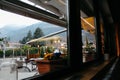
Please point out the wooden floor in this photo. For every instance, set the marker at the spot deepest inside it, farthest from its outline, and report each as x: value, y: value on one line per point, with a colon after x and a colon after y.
x: 86, y: 74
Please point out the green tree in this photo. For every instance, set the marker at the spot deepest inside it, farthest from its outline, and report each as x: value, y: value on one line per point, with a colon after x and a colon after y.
x: 23, y: 41
x: 38, y: 33
x: 27, y: 38
x: 29, y: 35
x: 1, y: 39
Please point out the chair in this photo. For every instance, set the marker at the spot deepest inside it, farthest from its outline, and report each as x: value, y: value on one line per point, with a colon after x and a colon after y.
x: 20, y: 66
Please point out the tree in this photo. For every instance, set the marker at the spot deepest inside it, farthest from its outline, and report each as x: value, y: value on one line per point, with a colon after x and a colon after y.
x: 27, y: 38
x: 29, y: 35
x: 23, y: 41
x: 38, y: 33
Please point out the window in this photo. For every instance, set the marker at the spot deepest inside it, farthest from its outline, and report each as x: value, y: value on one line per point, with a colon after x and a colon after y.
x: 88, y: 38
x: 31, y: 42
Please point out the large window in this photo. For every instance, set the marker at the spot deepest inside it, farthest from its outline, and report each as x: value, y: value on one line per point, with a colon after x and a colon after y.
x: 37, y: 47
x: 40, y: 47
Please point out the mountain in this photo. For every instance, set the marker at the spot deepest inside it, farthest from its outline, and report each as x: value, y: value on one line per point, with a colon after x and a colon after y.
x: 15, y: 34
x: 91, y: 37
x: 4, y: 31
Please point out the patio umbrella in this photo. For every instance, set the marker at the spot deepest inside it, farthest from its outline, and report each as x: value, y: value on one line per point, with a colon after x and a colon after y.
x: 47, y: 36
x: 88, y: 24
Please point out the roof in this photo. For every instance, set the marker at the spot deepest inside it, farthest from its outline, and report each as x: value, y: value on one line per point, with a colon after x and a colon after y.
x: 51, y: 36
x: 44, y: 39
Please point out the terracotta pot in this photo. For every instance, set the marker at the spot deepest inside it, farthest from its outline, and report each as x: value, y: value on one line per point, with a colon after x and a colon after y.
x: 45, y: 66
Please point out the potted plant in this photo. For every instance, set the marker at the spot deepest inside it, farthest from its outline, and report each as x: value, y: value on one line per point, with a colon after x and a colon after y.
x: 49, y: 63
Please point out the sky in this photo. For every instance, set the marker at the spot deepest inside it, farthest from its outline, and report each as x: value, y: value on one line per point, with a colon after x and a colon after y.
x: 8, y: 18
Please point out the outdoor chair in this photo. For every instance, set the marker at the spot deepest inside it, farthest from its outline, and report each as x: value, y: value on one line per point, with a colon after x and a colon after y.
x: 21, y: 67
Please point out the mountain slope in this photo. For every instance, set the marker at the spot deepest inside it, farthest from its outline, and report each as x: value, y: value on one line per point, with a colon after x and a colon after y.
x: 17, y: 34
x: 4, y: 31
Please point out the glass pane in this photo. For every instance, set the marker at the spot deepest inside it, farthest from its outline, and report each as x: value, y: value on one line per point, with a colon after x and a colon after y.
x: 37, y: 47
x: 88, y: 38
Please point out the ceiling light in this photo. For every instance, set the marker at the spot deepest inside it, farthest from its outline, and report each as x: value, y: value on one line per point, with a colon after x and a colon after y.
x: 61, y: 17
x: 62, y: 2
x: 45, y: 1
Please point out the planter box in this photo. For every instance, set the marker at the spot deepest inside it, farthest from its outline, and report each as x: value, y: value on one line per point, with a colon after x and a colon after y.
x: 45, y: 66
x: 33, y: 56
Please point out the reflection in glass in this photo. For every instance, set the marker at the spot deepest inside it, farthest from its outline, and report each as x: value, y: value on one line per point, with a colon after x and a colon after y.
x: 88, y: 39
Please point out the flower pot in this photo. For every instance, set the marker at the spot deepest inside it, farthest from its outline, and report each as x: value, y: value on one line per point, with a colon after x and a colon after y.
x: 45, y: 66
